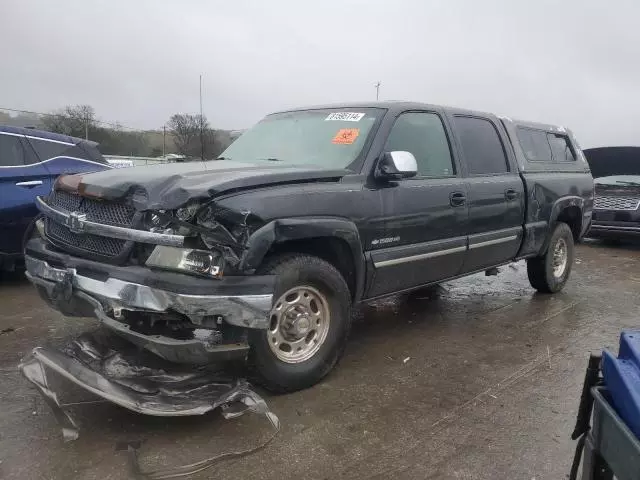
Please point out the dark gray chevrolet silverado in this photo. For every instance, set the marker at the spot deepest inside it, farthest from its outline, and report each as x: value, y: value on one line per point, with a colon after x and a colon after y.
x: 262, y: 252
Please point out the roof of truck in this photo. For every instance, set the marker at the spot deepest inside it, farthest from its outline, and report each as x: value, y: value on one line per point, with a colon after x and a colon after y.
x: 402, y: 105
x: 392, y: 105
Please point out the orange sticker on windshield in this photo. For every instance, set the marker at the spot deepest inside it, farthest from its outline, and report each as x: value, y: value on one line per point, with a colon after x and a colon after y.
x: 346, y: 136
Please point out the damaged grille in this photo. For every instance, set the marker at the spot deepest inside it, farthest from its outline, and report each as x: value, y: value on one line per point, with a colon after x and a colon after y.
x: 616, y: 203
x: 110, y: 247
x: 97, y: 211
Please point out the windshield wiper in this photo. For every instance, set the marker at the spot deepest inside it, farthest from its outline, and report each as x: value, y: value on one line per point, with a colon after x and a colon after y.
x: 223, y: 158
x: 270, y: 159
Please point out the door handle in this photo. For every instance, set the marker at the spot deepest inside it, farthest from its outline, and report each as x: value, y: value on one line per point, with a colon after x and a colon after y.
x: 30, y: 183
x: 511, y: 194
x: 457, y: 199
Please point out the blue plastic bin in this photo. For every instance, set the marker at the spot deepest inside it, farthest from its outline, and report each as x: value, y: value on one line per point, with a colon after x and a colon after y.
x: 622, y: 378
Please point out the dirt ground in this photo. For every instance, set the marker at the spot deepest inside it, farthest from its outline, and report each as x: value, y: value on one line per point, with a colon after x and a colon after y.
x: 480, y: 381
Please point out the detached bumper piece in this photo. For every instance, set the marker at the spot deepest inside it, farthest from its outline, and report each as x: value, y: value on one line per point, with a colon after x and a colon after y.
x: 115, y: 370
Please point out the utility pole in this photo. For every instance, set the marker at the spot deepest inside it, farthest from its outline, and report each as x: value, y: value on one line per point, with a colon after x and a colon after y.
x: 377, y: 85
x: 201, y: 124
x: 164, y: 140
x: 86, y: 126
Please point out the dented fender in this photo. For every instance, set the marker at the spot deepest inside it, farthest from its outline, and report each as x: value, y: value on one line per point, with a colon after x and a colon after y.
x: 558, y: 206
x: 290, y: 229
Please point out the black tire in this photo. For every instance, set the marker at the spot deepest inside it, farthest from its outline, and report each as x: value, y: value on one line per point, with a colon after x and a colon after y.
x: 541, y: 269
x: 293, y: 270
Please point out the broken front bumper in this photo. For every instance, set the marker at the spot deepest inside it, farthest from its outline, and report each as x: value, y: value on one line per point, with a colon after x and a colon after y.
x: 82, y: 287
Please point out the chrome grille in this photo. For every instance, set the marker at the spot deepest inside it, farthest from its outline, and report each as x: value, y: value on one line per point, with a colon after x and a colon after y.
x: 65, y: 200
x: 616, y: 203
x: 98, y: 211
x: 106, y: 246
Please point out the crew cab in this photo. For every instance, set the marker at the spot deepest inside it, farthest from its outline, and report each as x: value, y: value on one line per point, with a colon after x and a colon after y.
x: 30, y: 161
x: 263, y: 252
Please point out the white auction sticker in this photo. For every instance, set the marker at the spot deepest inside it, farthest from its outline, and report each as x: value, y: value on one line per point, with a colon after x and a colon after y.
x: 345, y: 116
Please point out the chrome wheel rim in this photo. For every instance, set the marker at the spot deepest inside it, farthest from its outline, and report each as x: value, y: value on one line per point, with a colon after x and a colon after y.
x: 298, y: 324
x: 560, y: 258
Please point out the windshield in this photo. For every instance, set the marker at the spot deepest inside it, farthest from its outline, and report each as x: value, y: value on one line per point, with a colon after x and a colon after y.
x: 331, y: 138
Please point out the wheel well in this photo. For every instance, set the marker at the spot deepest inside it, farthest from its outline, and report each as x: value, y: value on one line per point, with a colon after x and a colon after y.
x: 333, y: 250
x: 572, y: 216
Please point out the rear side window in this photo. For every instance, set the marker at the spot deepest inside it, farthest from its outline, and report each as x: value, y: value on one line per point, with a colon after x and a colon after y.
x: 47, y: 150
x: 534, y: 144
x: 482, y: 147
x: 561, y: 148
x: 91, y: 152
x: 423, y: 134
x: 11, y: 151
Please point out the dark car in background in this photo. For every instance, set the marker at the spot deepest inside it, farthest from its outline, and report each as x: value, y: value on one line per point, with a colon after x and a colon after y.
x: 616, y: 213
x: 30, y: 161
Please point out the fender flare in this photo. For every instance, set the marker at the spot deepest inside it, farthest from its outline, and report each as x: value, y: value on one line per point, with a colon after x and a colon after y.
x: 300, y: 228
x: 558, y: 206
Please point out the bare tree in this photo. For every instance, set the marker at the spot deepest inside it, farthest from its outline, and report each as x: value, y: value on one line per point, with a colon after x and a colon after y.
x: 186, y: 130
x: 76, y: 120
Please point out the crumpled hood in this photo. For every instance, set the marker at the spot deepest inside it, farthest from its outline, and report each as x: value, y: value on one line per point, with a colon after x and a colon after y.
x: 172, y: 185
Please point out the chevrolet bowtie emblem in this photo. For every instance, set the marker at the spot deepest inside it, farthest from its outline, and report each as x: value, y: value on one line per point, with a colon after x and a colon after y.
x: 75, y: 221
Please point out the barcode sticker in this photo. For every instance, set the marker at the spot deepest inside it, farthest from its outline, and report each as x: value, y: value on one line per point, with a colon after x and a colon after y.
x: 345, y: 116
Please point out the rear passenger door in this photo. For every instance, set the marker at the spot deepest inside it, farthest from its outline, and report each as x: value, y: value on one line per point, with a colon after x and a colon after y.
x: 425, y: 216
x: 22, y: 178
x: 495, y: 193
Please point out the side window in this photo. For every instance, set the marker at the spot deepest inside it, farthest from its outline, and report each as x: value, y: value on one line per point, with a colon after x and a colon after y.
x: 561, y: 148
x: 11, y: 152
x: 423, y: 134
x: 482, y: 147
x: 534, y: 144
x: 47, y: 150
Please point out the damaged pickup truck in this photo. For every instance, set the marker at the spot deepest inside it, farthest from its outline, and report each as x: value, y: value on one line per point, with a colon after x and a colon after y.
x: 261, y: 253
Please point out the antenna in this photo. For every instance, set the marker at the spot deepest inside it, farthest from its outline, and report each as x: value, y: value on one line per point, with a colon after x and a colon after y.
x: 201, y: 124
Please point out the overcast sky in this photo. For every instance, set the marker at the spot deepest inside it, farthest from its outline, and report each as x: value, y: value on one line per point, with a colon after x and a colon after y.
x: 575, y: 63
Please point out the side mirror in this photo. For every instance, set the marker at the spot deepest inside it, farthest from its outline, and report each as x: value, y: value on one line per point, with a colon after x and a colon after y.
x: 396, y: 165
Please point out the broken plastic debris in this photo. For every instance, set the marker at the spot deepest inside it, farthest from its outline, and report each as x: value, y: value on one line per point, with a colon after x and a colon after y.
x: 116, y: 370
x: 406, y: 359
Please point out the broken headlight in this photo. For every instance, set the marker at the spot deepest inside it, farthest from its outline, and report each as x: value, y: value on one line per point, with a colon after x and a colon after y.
x: 201, y: 262
x: 187, y: 213
x: 157, y: 219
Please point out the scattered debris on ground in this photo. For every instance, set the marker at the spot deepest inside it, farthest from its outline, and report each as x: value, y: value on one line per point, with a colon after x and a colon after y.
x: 108, y: 366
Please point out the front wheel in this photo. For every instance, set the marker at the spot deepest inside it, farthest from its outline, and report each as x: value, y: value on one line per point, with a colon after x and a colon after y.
x: 549, y: 273
x: 308, y: 324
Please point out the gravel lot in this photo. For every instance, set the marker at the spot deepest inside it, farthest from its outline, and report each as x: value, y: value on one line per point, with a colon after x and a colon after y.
x: 490, y: 388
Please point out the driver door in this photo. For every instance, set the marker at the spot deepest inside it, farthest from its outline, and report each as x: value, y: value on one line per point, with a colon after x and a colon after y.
x: 425, y: 216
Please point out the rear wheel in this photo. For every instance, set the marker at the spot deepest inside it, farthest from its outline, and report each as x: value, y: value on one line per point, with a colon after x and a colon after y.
x: 549, y: 273
x: 308, y: 324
